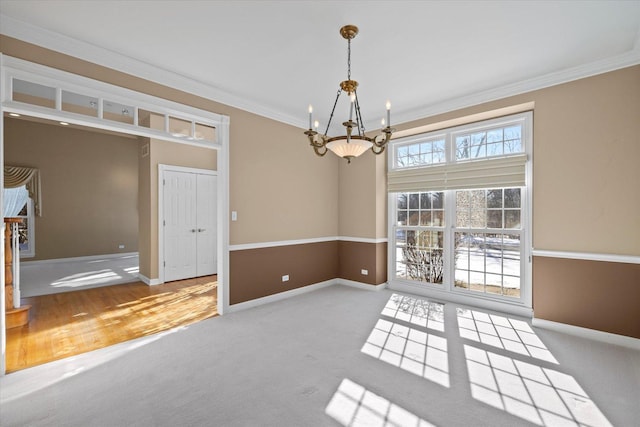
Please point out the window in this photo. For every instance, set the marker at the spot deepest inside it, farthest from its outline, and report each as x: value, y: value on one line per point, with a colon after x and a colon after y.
x: 26, y: 231
x: 419, y: 238
x: 17, y: 203
x: 487, y: 242
x: 422, y: 153
x: 459, y: 210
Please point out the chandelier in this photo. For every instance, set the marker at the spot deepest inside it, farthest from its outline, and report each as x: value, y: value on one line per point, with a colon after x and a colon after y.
x: 351, y: 144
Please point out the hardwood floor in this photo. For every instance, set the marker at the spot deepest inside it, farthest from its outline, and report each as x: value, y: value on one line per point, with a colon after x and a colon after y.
x: 65, y: 324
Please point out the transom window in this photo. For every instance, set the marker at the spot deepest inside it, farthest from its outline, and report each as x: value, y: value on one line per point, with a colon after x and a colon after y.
x: 458, y: 210
x: 489, y: 142
x: 41, y: 92
x: 421, y: 153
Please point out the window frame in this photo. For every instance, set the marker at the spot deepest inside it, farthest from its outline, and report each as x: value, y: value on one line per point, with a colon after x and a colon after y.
x: 447, y: 290
x: 30, y: 251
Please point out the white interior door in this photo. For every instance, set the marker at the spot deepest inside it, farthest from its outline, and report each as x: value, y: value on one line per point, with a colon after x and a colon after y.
x: 180, y: 226
x: 206, y: 218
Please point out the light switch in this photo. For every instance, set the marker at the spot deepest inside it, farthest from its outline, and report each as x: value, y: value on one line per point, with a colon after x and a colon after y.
x: 234, y: 216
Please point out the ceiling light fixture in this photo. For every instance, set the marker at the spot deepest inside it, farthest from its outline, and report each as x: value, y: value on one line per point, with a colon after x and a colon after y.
x: 14, y: 114
x: 349, y: 145
x: 64, y: 123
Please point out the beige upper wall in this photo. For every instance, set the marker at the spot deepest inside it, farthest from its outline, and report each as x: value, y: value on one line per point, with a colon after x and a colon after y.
x: 585, y: 174
x: 89, y: 187
x: 279, y: 187
x: 363, y: 197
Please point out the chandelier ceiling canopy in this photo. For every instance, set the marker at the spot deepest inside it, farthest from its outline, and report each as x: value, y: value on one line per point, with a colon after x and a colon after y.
x: 351, y: 144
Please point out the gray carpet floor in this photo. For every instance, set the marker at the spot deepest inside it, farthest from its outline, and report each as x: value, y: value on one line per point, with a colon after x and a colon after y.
x: 337, y: 356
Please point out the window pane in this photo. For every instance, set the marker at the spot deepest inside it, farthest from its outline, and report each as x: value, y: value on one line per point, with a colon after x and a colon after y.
x: 437, y: 218
x: 438, y: 200
x: 420, y: 153
x: 511, y: 219
x: 421, y: 259
x: 402, y: 201
x: 205, y: 132
x: 462, y: 147
x: 512, y: 198
x: 425, y: 218
x: 79, y: 104
x: 414, y: 201
x: 478, y: 145
x: 494, y: 136
x: 494, y: 198
x: 117, y: 112
x: 425, y: 200
x: 33, y: 93
x: 402, y: 218
x: 179, y: 127
x: 484, y: 260
x: 494, y: 219
x: 414, y: 217
x: 150, y: 120
x: 513, y: 139
x: 477, y: 209
x: 495, y: 149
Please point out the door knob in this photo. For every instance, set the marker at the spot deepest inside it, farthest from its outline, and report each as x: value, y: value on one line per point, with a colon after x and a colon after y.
x: 200, y: 230
x: 193, y: 230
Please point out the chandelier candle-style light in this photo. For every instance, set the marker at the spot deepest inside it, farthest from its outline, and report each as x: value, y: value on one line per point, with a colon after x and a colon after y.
x: 351, y: 144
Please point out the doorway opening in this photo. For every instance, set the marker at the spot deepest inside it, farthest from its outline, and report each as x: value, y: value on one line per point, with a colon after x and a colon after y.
x: 43, y: 93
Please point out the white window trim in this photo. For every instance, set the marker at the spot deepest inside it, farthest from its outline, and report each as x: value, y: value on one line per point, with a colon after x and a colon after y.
x: 447, y: 291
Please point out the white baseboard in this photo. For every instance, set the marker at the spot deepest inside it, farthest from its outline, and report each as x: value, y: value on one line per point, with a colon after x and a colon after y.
x: 360, y: 285
x: 280, y: 296
x: 606, y: 337
x: 77, y: 259
x: 150, y: 282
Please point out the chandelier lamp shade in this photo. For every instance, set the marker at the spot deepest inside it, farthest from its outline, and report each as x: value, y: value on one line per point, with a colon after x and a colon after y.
x: 354, y: 142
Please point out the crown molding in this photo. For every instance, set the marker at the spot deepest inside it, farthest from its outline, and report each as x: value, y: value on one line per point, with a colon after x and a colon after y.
x: 110, y: 59
x: 627, y: 59
x: 116, y: 61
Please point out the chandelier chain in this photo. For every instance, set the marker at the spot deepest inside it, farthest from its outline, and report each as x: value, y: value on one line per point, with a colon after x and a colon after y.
x: 349, y: 59
x: 359, y: 121
x: 326, y: 132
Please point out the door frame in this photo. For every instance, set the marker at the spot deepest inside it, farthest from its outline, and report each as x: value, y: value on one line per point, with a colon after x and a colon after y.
x: 162, y: 168
x: 12, y: 67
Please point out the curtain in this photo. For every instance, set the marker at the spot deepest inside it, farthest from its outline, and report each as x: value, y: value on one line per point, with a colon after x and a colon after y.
x: 14, y: 201
x: 17, y: 176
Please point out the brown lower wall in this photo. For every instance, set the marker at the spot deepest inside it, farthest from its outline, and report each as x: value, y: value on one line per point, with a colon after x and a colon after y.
x: 356, y: 256
x: 257, y: 273
x: 599, y: 295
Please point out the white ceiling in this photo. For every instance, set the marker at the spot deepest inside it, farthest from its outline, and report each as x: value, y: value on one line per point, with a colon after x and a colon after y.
x: 277, y: 57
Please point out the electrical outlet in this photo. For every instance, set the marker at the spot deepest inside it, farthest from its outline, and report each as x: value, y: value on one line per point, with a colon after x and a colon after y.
x: 285, y: 278
x: 120, y: 246
x: 364, y: 272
